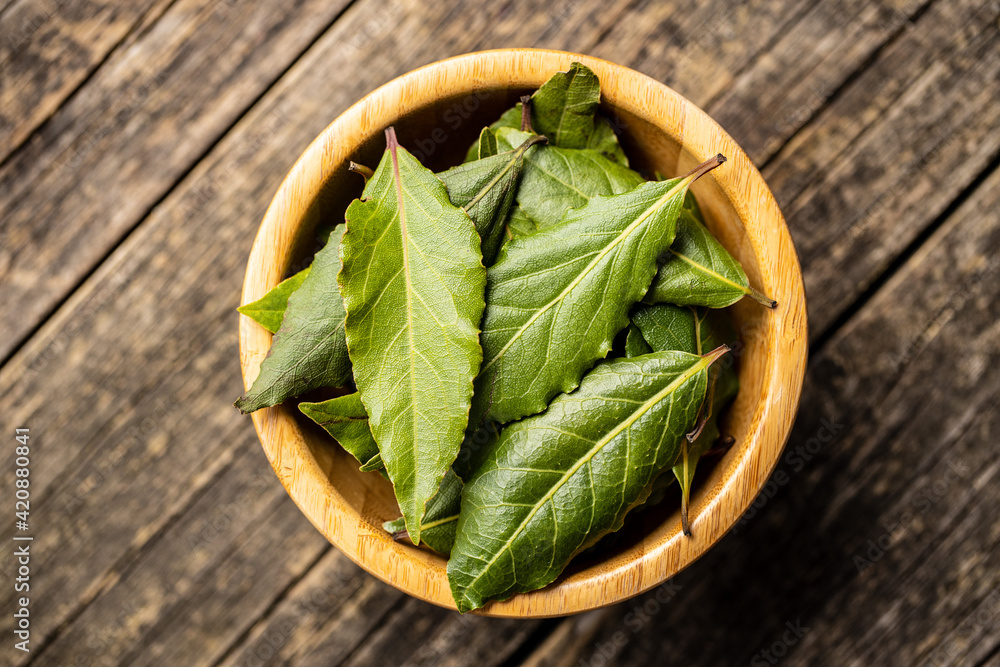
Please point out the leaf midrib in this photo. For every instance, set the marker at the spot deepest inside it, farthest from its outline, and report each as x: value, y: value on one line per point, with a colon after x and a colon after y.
x: 516, y: 155
x: 598, y: 446
x: 590, y: 267
x: 409, y: 314
x: 709, y: 271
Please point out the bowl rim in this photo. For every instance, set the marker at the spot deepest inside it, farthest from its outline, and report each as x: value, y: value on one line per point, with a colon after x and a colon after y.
x: 416, y: 571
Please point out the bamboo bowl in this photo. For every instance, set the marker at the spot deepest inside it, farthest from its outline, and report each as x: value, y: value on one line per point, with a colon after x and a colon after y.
x: 438, y: 110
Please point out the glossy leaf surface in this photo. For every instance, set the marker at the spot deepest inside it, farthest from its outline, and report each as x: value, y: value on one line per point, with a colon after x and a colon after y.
x: 485, y: 190
x: 437, y: 530
x: 558, y: 297
x: 344, y: 418
x: 565, y: 109
x: 698, y: 270
x: 558, y: 481
x: 693, y: 330
x: 556, y: 179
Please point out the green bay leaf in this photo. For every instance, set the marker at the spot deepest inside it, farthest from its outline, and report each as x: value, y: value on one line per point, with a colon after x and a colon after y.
x: 345, y: 418
x: 558, y: 481
x: 412, y: 281
x: 309, y: 351
x: 487, y: 145
x: 635, y: 344
x: 437, y: 529
x: 485, y: 188
x: 519, y: 224
x: 698, y: 270
x: 556, y: 298
x: 565, y: 109
x: 269, y: 310
x: 695, y: 330
x: 556, y: 179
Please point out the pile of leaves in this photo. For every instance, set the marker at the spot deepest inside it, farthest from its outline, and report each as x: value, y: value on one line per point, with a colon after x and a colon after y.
x: 528, y: 339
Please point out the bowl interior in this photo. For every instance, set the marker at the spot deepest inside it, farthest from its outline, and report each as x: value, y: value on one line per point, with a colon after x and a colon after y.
x: 437, y: 125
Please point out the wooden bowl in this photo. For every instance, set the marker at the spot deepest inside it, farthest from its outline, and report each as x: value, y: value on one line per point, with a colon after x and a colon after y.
x: 437, y: 111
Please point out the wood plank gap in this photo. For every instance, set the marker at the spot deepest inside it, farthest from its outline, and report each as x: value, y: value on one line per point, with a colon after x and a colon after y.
x: 122, y: 565
x: 533, y: 641
x: 156, y: 630
x: 4, y: 6
x: 902, y: 258
x: 994, y: 652
x: 846, y: 84
x: 278, y: 599
x: 379, y: 624
x: 778, y: 35
x: 84, y: 277
x: 141, y: 25
x: 961, y: 514
x: 916, y: 563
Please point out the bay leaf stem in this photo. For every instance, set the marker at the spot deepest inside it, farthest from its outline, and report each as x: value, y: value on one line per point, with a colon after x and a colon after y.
x: 526, y: 114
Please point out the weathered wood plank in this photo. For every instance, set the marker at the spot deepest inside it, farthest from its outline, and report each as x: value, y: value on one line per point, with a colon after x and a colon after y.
x: 781, y: 91
x: 697, y: 48
x: 918, y: 114
x: 127, y: 290
x: 894, y: 445
x: 217, y: 565
x: 323, y: 618
x: 167, y: 431
x: 880, y: 164
x: 419, y: 634
x: 120, y: 143
x: 47, y: 49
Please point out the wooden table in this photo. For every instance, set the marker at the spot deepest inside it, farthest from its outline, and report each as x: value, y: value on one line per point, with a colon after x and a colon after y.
x: 139, y: 145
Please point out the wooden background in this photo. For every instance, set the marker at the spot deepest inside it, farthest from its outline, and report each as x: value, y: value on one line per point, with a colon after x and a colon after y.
x: 140, y: 143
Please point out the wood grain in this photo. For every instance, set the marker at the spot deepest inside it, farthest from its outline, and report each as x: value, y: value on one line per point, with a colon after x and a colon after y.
x: 49, y: 49
x: 825, y: 84
x: 134, y: 435
x: 874, y: 186
x: 110, y: 153
x: 140, y: 284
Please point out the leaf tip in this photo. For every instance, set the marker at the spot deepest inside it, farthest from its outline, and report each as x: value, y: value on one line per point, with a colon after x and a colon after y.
x: 526, y: 113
